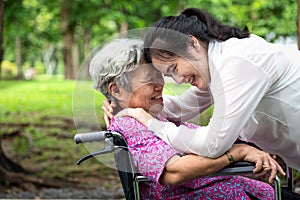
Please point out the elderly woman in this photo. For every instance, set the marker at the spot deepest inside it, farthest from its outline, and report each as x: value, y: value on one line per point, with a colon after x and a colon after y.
x: 121, y: 74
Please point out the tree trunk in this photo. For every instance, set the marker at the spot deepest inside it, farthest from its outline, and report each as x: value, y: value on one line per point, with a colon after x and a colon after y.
x: 1, y: 33
x: 7, y: 164
x: 124, y: 27
x: 75, y: 58
x: 67, y: 32
x: 19, y: 57
x: 86, y: 50
x: 298, y: 24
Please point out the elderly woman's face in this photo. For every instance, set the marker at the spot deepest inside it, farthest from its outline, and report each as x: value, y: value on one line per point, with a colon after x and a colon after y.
x: 147, y: 86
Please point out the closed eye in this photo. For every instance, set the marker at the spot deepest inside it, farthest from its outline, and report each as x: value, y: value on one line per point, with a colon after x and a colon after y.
x: 172, y: 68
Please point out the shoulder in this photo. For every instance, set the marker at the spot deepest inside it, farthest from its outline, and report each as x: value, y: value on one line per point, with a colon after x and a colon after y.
x: 236, y: 46
x: 246, y: 46
x: 130, y: 128
x: 126, y: 123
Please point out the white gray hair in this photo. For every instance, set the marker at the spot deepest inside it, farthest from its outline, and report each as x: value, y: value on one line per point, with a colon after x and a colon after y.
x: 113, y: 63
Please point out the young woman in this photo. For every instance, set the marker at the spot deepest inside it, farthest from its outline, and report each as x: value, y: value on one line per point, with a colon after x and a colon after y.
x: 254, y: 87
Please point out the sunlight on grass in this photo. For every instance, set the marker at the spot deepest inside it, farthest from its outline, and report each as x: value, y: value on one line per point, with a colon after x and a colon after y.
x: 50, y: 97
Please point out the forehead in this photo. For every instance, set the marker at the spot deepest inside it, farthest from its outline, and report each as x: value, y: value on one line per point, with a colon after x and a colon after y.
x: 164, y: 61
x: 158, y: 62
x: 145, y: 70
x: 144, y: 74
x: 163, y: 65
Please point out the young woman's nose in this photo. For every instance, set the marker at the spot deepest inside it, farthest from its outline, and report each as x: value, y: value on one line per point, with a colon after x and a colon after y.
x: 178, y: 78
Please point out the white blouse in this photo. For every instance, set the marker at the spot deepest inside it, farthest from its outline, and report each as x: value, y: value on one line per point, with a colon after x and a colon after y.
x: 255, y: 89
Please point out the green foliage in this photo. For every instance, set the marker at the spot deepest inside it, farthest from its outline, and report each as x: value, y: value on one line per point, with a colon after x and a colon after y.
x: 262, y: 17
x: 38, y: 66
x: 9, y: 69
x: 38, y: 22
x: 34, y: 23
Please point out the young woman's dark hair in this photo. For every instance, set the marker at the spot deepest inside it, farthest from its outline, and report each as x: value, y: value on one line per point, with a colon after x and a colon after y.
x: 169, y: 36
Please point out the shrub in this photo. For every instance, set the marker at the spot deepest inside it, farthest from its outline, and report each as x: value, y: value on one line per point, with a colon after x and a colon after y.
x: 9, y: 69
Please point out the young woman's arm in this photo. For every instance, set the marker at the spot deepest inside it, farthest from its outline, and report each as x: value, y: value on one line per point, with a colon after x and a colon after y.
x: 237, y: 90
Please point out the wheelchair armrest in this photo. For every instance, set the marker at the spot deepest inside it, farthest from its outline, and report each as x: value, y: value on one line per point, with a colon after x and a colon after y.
x: 141, y: 178
x: 241, y: 167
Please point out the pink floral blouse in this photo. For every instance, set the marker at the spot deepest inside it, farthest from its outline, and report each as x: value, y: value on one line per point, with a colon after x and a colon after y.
x: 150, y: 153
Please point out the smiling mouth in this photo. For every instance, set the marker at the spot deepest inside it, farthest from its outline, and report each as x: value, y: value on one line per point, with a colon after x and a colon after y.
x: 156, y: 97
x: 191, y: 80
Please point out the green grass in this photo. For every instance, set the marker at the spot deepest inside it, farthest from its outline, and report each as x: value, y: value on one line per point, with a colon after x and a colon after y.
x: 27, y: 101
x: 52, y: 97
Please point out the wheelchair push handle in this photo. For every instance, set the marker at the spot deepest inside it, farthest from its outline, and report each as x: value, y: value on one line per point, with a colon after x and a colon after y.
x: 108, y: 136
x: 89, y: 137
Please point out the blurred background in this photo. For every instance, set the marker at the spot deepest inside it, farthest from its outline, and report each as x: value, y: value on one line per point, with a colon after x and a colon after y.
x: 43, y: 45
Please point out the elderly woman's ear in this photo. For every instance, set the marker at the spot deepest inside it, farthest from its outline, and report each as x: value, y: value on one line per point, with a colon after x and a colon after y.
x: 115, y: 90
x: 120, y: 94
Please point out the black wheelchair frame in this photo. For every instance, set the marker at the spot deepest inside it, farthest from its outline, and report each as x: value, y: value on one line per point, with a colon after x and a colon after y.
x: 128, y: 175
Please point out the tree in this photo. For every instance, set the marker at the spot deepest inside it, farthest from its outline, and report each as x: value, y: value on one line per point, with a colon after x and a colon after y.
x: 1, y: 32
x: 105, y: 19
x: 67, y: 30
x: 268, y: 19
x: 31, y: 25
x: 75, y: 27
x: 15, y: 31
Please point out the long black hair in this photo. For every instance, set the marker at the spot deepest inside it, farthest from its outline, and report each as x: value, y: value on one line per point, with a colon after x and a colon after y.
x: 169, y: 36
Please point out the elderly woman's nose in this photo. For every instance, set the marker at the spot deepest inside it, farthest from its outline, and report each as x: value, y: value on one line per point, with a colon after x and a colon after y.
x: 158, y: 87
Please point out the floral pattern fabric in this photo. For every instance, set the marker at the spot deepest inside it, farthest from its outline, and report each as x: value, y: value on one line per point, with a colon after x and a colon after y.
x: 149, y: 154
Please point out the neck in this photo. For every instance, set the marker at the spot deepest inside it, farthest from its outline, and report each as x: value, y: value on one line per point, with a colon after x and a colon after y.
x: 204, y: 45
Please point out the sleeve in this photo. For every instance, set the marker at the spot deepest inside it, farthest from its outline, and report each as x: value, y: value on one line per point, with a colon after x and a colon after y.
x: 237, y: 90
x: 186, y: 106
x: 149, y: 153
x: 152, y: 157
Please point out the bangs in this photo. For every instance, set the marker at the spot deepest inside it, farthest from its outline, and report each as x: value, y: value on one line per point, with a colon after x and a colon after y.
x: 162, y: 54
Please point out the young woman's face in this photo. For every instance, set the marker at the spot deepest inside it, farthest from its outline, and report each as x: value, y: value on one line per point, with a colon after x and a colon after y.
x: 147, y: 86
x: 193, y: 71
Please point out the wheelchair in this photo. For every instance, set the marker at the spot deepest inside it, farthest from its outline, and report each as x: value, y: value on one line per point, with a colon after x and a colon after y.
x: 131, y: 179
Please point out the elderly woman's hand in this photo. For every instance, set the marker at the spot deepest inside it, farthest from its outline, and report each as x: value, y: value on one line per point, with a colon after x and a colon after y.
x: 138, y: 113
x: 264, y: 163
x: 108, y: 109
